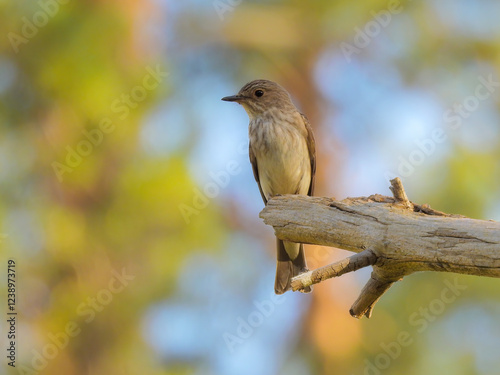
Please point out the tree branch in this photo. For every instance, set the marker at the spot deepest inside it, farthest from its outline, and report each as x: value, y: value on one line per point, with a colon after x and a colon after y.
x: 392, y: 234
x: 353, y: 263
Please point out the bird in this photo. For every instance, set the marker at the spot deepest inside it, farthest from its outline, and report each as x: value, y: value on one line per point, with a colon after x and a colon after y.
x: 282, y: 153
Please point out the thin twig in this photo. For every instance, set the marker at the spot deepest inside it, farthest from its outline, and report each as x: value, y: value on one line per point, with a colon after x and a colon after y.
x: 399, y: 193
x: 369, y: 296
x: 350, y: 264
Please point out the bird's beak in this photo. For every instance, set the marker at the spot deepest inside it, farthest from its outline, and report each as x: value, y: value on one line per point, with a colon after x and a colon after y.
x: 233, y: 98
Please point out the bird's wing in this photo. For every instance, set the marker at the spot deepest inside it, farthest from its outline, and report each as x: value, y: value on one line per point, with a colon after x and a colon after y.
x: 255, y: 168
x: 311, y: 146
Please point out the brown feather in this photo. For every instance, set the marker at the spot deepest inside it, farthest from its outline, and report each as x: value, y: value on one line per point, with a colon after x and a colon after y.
x: 286, y: 269
x: 311, y: 145
x: 255, y: 168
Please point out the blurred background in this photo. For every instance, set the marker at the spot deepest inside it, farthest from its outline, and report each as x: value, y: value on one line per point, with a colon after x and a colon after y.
x: 128, y: 201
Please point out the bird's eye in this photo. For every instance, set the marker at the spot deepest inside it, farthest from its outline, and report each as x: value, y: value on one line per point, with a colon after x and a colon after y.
x: 259, y: 93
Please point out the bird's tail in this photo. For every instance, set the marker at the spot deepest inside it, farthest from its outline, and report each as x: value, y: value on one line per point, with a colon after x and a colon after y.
x: 287, y: 268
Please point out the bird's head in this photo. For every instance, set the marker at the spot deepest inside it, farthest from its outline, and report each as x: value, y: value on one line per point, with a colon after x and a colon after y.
x: 261, y: 96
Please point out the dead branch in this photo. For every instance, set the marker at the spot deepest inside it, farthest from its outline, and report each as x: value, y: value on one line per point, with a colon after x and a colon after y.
x: 393, y: 235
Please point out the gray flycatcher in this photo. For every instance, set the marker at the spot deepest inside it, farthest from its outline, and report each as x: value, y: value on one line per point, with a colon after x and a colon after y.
x: 283, y: 157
